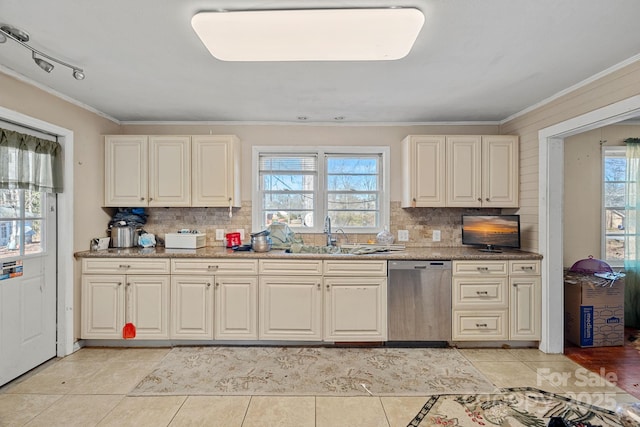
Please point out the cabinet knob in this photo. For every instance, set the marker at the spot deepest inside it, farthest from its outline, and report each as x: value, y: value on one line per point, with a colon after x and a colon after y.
x: 217, y: 285
x: 141, y: 199
x: 208, y: 285
x: 483, y: 268
x: 119, y: 283
x: 487, y: 199
x: 328, y: 287
x: 151, y: 198
x: 482, y: 292
x: 128, y: 284
x: 515, y: 285
x: 479, y: 199
x: 212, y: 267
x: 124, y: 266
x: 481, y: 325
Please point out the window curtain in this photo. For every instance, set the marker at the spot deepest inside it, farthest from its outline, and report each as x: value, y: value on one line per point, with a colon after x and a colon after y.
x: 632, y: 237
x: 29, y: 163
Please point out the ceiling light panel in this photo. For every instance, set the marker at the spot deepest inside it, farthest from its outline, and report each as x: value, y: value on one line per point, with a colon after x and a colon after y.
x: 309, y: 35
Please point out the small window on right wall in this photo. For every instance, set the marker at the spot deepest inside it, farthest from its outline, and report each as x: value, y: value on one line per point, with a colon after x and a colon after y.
x: 614, y: 175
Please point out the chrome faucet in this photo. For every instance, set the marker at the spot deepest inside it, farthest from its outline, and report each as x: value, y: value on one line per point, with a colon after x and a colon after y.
x: 327, y: 229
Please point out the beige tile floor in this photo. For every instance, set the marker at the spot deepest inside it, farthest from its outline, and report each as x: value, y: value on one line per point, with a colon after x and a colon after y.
x: 89, y: 388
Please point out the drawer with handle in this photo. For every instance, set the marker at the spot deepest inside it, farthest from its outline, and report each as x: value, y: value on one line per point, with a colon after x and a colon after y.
x: 125, y: 266
x: 481, y: 326
x: 525, y: 267
x: 216, y: 266
x: 480, y: 268
x: 492, y: 292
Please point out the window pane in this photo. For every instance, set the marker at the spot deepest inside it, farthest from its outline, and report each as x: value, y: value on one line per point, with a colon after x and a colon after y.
x: 614, y: 194
x: 33, y: 237
x: 614, y: 221
x: 9, y: 204
x: 274, y: 201
x: 9, y: 238
x: 615, y: 169
x: 352, y: 183
x: 340, y: 219
x: 352, y: 165
x: 282, y: 182
x: 614, y: 248
x: 292, y: 218
x: 353, y: 201
x: 33, y: 201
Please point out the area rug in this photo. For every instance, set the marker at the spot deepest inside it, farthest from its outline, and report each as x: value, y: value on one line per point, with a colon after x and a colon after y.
x: 313, y: 371
x: 513, y: 407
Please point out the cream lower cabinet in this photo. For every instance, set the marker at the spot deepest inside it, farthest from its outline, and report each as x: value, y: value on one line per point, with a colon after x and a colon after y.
x: 214, y: 299
x: 111, y: 298
x: 355, y: 300
x: 290, y: 300
x: 525, y: 288
x: 496, y: 300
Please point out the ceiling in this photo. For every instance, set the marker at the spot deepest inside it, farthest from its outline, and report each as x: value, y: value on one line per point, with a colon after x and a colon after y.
x: 473, y: 61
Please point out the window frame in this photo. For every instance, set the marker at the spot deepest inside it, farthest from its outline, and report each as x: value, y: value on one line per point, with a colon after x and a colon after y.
x: 321, y: 208
x: 607, y: 152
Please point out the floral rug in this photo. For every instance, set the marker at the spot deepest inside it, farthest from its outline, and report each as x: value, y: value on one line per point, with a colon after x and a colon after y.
x: 313, y: 371
x: 513, y: 407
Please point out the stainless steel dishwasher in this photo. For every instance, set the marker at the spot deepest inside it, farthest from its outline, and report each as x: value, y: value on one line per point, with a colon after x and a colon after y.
x: 419, y: 301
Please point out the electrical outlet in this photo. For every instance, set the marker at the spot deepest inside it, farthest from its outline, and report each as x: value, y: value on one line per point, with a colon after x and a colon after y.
x: 436, y: 235
x: 219, y: 234
x: 403, y: 235
x: 241, y: 231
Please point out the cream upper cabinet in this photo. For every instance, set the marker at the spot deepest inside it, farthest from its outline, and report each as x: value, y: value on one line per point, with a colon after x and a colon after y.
x: 500, y: 171
x: 216, y: 170
x: 126, y: 171
x: 147, y: 170
x: 460, y: 171
x: 169, y: 171
x: 464, y: 162
x: 423, y: 157
x: 172, y: 171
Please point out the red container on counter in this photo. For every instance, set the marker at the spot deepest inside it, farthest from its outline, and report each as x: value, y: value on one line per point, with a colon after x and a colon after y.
x: 233, y: 240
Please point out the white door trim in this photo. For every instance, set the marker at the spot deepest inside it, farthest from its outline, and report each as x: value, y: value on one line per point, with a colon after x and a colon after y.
x: 65, y: 262
x: 550, y: 210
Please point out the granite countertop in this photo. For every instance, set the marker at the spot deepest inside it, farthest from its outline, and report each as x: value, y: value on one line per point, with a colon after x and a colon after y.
x: 432, y: 253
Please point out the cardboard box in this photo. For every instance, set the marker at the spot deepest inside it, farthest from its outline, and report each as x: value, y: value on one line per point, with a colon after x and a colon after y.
x: 185, y: 240
x: 594, y: 315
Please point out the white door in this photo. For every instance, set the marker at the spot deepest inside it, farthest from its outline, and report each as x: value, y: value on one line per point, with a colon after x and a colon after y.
x: 27, y: 301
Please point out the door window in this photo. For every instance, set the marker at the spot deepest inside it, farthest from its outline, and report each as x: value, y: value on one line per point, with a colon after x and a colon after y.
x: 21, y: 223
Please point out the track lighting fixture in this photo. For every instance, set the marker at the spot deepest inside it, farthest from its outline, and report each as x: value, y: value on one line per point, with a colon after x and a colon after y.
x: 22, y: 37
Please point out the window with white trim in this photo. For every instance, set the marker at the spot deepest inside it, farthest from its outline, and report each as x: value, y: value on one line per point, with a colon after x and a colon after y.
x: 302, y: 187
x: 613, y: 204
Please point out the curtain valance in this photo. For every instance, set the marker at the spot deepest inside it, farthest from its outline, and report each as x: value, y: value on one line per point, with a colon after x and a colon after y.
x: 29, y: 163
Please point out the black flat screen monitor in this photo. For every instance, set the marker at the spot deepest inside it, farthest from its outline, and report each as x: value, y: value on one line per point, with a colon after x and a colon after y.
x: 492, y: 232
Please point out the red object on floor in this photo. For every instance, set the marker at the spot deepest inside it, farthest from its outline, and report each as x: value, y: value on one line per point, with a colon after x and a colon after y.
x: 129, y: 331
x: 623, y: 361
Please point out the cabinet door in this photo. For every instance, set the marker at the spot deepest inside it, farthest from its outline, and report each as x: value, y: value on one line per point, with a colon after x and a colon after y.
x: 236, y: 303
x: 126, y: 169
x: 464, y: 160
x: 423, y: 171
x: 355, y: 309
x: 192, y: 307
x: 147, y: 305
x: 102, y: 306
x: 169, y: 171
x: 216, y: 170
x: 500, y: 171
x: 290, y: 308
x: 525, y: 308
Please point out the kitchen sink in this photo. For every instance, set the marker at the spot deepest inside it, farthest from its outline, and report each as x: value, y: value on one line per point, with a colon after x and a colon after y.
x: 351, y: 249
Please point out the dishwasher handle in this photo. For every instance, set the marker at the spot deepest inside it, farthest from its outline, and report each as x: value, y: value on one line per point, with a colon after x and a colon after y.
x: 420, y: 265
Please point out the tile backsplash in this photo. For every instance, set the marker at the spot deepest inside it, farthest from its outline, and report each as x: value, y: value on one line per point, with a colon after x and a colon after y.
x: 420, y: 222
